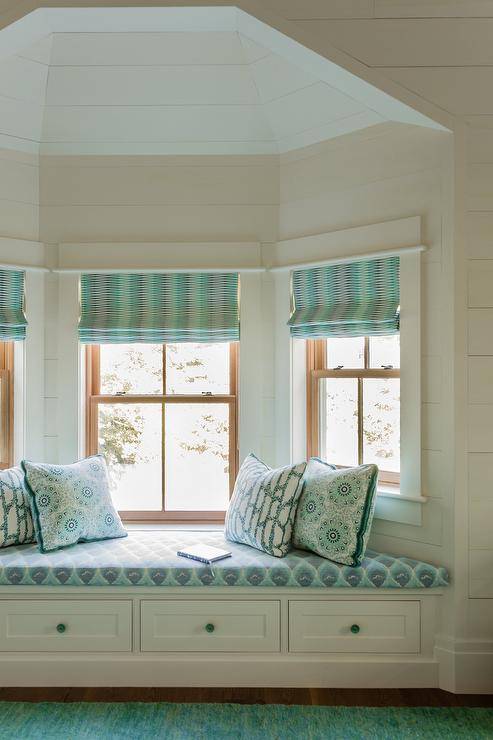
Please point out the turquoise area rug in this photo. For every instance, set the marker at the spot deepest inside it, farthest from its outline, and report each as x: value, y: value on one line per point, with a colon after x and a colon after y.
x: 101, y: 721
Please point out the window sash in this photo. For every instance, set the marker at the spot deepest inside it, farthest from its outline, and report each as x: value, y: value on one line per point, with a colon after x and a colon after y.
x: 94, y: 398
x: 316, y: 371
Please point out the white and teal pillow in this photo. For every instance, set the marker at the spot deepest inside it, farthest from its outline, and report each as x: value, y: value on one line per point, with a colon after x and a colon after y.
x: 335, y: 511
x: 71, y: 503
x: 262, y: 509
x: 16, y: 522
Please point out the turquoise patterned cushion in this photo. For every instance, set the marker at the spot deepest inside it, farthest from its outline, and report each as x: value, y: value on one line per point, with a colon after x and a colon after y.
x: 71, y: 503
x: 263, y: 507
x: 335, y: 511
x: 16, y: 522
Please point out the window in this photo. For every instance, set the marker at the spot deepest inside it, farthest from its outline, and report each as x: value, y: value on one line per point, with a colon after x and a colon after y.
x: 164, y: 416
x: 353, y: 395
x: 6, y: 404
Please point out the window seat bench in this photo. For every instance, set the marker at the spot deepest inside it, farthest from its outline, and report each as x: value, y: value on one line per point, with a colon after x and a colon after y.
x: 148, y: 558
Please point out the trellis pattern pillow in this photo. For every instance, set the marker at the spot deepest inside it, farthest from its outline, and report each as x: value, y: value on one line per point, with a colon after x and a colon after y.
x: 71, y: 503
x: 16, y: 522
x: 262, y: 509
x: 335, y: 511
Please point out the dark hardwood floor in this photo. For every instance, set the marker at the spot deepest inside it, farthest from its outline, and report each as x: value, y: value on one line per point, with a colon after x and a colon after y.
x: 319, y: 697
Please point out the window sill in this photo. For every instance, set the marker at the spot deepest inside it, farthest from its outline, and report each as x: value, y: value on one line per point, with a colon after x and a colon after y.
x: 167, y: 527
x: 394, y: 493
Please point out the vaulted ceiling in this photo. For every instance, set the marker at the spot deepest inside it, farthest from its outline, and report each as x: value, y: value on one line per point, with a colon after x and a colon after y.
x: 173, y: 81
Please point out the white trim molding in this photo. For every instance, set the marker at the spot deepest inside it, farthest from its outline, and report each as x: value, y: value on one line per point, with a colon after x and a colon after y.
x: 465, y: 666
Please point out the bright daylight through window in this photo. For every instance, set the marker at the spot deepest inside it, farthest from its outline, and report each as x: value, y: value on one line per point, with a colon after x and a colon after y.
x: 354, y: 396
x: 164, y: 416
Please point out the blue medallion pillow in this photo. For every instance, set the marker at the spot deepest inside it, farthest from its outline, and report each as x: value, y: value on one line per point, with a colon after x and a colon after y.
x: 71, y: 503
x: 335, y: 511
x: 16, y: 522
x: 262, y: 509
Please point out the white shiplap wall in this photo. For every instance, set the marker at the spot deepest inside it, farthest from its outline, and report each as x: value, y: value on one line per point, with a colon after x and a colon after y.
x: 390, y: 172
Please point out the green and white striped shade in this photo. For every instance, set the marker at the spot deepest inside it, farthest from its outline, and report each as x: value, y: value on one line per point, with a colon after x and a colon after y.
x: 159, y: 307
x: 12, y: 318
x: 346, y: 300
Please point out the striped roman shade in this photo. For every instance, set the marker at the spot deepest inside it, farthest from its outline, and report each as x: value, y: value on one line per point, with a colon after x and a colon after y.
x: 346, y: 300
x: 159, y: 307
x: 12, y: 318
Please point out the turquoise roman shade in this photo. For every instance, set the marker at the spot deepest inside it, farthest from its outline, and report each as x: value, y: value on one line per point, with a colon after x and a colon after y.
x: 159, y: 307
x: 346, y: 300
x: 12, y: 318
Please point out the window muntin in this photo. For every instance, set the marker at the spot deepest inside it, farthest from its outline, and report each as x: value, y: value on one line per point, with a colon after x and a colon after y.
x: 354, y: 410
x: 165, y: 418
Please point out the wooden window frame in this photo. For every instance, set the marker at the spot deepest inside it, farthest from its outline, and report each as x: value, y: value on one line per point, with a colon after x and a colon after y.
x: 7, y: 405
x: 316, y: 369
x: 94, y: 397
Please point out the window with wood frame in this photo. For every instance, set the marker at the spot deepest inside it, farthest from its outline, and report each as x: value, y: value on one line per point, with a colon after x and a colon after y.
x: 353, y: 402
x: 6, y: 405
x: 165, y: 418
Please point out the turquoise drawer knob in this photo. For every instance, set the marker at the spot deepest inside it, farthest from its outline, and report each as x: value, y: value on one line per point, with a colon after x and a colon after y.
x: 209, y: 627
x: 355, y: 628
x: 61, y: 628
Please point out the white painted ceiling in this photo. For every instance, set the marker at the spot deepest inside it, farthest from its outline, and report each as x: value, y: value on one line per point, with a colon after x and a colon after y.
x: 173, y: 81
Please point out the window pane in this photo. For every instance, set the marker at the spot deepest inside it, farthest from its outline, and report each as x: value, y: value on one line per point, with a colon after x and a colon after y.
x: 346, y: 351
x: 381, y: 423
x: 197, y: 368
x: 197, y: 456
x: 385, y: 351
x: 339, y: 420
x: 131, y: 368
x: 130, y: 437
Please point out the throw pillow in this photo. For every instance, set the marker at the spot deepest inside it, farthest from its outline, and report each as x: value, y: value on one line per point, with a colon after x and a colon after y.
x: 16, y: 522
x: 71, y: 503
x: 335, y: 511
x: 262, y: 509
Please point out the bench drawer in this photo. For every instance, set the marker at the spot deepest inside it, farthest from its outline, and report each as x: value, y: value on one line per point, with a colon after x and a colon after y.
x: 354, y: 626
x: 65, y: 626
x: 210, y: 626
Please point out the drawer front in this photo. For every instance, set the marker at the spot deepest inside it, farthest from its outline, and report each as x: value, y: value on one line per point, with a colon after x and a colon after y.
x: 65, y: 626
x: 354, y: 626
x: 203, y: 626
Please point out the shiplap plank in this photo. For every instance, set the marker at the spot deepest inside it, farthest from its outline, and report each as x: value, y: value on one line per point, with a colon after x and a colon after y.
x: 19, y: 220
x: 480, y: 142
x: 127, y: 49
x: 480, y: 476
x: 433, y: 8
x: 295, y: 9
x: 18, y: 181
x: 480, y: 428
x: 480, y: 284
x: 479, y: 235
x: 158, y: 223
x: 394, y: 42
x: 20, y: 119
x: 23, y: 79
x: 432, y: 379
x: 432, y: 426
x: 480, y: 380
x: 479, y: 187
x: 480, y: 518
x: 481, y: 573
x: 308, y: 108
x: 143, y: 86
x: 275, y: 77
x: 122, y: 124
x: 432, y: 474
x: 40, y: 51
x: 459, y: 90
x: 155, y: 185
x: 480, y: 336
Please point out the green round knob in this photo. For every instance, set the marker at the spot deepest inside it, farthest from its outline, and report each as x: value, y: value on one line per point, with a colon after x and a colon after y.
x: 355, y: 628
x: 61, y: 628
x: 209, y: 627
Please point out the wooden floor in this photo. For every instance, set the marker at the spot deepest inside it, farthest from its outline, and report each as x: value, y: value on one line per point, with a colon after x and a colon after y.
x: 319, y: 697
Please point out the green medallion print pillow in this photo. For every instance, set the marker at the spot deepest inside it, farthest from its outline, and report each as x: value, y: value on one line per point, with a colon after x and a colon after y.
x: 262, y: 510
x: 335, y: 511
x: 72, y: 503
x: 16, y: 522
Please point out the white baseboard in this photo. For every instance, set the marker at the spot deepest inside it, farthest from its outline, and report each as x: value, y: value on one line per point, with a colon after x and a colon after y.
x: 192, y: 670
x: 465, y: 666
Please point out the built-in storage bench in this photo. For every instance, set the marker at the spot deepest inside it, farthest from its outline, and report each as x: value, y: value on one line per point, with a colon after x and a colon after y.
x: 129, y: 612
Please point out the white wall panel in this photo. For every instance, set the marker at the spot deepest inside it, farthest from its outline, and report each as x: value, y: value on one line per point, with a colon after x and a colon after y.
x: 480, y: 476
x: 479, y: 235
x: 23, y: 79
x: 480, y: 380
x: 295, y: 9
x: 393, y: 43
x: 480, y: 428
x: 20, y: 119
x: 275, y: 77
x: 147, y: 86
x: 480, y: 336
x: 433, y: 8
x: 124, y: 49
